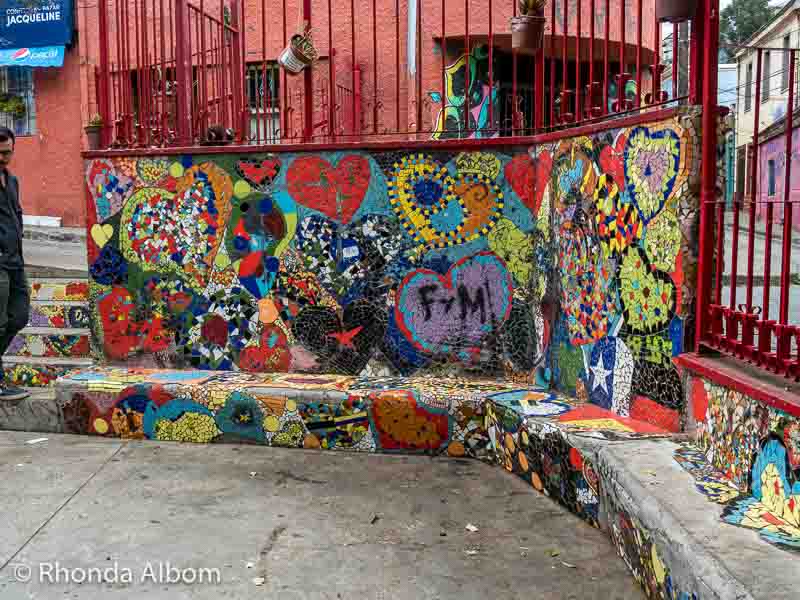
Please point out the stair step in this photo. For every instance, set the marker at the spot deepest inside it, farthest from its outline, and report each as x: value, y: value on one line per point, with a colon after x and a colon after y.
x: 40, y: 371
x: 43, y: 361
x: 60, y: 289
x: 49, y: 342
x: 50, y: 314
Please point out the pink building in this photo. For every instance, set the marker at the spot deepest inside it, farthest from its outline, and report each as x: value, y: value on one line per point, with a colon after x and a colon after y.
x: 772, y: 173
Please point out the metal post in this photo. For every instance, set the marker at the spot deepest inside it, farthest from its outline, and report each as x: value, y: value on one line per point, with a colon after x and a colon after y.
x: 105, y: 77
x: 183, y: 63
x: 237, y: 88
x: 784, y: 342
x: 308, y: 84
x: 709, y: 17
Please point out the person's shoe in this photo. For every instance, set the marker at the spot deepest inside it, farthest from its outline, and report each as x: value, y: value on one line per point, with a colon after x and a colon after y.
x: 12, y: 392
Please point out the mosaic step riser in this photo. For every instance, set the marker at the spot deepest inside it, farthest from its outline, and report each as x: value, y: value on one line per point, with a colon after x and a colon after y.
x: 21, y: 371
x: 59, y: 290
x: 50, y: 345
x: 73, y: 316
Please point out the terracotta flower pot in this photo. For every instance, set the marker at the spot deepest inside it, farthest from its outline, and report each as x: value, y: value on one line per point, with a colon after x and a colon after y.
x: 527, y: 33
x: 93, y: 136
x: 293, y: 58
x: 675, y: 11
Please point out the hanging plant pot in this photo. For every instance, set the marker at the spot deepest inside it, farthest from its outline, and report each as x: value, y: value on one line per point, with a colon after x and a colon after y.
x: 676, y: 11
x: 297, y: 55
x: 93, y: 137
x: 527, y: 33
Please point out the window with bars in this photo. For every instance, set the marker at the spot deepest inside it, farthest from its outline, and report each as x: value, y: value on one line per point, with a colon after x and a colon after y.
x: 259, y: 95
x: 786, y: 58
x: 771, y: 178
x: 748, y: 88
x: 765, y: 77
x: 263, y: 99
x: 17, y: 105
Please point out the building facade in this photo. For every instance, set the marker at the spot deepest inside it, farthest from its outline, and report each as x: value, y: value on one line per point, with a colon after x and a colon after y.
x: 782, y: 33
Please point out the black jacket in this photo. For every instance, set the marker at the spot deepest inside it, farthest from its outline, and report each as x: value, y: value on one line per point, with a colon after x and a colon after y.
x: 10, y: 224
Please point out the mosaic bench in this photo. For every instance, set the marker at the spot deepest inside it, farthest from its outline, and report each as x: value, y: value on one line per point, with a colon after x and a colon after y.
x: 417, y: 415
x: 376, y: 414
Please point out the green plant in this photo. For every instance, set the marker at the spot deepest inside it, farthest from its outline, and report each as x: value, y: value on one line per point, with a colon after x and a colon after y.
x: 95, y: 122
x: 12, y: 105
x: 530, y: 8
x: 304, y: 42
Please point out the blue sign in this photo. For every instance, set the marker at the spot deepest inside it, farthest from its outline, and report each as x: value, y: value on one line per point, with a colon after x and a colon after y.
x: 49, y: 56
x: 35, y: 23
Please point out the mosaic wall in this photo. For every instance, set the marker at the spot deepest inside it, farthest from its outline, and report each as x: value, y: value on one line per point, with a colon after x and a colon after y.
x: 624, y: 222
x: 747, y: 458
x: 338, y: 263
x: 560, y: 265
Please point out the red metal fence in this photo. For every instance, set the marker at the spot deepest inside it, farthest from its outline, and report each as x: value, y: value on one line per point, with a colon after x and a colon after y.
x: 386, y: 69
x: 168, y: 70
x: 754, y: 311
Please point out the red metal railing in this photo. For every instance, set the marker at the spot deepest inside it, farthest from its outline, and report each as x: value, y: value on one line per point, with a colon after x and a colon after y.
x: 756, y: 236
x: 169, y: 71
x: 387, y: 69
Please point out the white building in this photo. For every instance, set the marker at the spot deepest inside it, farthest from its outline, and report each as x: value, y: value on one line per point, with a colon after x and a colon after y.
x: 783, y: 32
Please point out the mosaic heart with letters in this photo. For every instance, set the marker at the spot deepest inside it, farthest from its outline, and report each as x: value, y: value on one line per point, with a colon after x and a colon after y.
x: 334, y: 190
x: 439, y: 210
x: 441, y: 313
x: 179, y: 233
x: 652, y: 163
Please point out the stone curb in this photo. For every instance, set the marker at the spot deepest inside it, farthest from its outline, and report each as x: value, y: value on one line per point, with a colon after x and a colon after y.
x: 691, y: 563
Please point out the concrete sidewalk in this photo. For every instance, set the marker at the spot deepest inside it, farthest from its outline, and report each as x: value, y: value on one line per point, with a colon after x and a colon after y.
x: 285, y: 525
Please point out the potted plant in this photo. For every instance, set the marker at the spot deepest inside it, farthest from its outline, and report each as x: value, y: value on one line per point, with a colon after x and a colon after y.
x: 93, y: 131
x: 675, y: 11
x: 12, y: 105
x: 299, y: 53
x: 527, y: 29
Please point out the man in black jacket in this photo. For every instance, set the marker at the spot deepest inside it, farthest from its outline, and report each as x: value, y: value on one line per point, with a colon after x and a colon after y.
x: 14, y: 293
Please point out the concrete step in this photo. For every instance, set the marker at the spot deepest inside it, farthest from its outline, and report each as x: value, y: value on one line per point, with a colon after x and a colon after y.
x: 59, y: 314
x: 76, y: 290
x: 51, y: 342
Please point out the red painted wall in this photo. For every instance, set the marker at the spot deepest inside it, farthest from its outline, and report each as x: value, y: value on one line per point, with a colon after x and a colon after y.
x: 49, y: 163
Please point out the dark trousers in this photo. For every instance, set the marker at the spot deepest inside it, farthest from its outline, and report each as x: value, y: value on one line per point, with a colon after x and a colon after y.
x: 15, y: 306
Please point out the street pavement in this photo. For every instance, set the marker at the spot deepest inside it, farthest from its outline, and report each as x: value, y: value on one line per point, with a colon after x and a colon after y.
x: 148, y: 520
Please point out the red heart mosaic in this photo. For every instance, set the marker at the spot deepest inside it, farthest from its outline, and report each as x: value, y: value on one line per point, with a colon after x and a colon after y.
x: 335, y: 191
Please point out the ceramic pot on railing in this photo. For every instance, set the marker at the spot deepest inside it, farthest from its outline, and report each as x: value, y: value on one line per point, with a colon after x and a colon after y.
x: 675, y: 11
x: 527, y: 33
x: 297, y: 55
x: 94, y: 132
